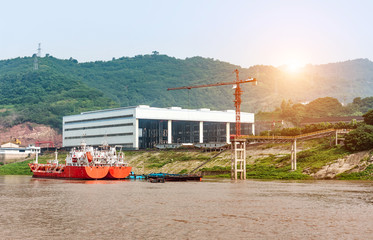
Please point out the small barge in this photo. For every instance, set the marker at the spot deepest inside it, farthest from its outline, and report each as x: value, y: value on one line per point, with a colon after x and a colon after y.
x: 167, y: 177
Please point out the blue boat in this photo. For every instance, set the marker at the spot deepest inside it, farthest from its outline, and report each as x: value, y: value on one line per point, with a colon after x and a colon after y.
x: 134, y: 176
x: 162, y: 177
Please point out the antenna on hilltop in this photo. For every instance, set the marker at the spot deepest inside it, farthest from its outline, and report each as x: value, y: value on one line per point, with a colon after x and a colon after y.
x: 39, y: 50
x: 36, y: 64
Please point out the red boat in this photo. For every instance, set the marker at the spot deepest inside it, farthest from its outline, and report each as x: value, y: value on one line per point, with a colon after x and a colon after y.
x: 85, y: 163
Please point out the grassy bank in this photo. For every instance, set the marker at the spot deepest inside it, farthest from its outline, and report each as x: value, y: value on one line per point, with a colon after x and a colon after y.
x: 264, y: 162
x: 19, y: 168
x: 170, y: 161
x: 278, y: 166
x: 367, y: 174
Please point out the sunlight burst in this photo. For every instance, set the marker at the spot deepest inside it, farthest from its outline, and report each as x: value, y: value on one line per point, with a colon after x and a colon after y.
x: 293, y: 68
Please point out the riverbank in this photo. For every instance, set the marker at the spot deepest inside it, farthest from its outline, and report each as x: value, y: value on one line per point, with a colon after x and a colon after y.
x: 316, y: 160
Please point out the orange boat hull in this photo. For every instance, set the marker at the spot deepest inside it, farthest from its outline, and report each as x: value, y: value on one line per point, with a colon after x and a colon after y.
x: 118, y: 172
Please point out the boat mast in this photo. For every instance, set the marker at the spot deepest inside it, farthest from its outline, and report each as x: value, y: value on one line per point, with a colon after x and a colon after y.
x: 56, y: 154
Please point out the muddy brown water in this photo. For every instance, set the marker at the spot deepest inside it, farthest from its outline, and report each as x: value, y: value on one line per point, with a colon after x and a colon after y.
x: 212, y: 209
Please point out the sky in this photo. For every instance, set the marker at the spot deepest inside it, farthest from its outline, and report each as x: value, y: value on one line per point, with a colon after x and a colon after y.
x: 241, y: 32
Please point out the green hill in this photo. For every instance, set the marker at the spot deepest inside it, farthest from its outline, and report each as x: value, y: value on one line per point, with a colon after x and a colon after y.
x: 44, y: 96
x: 62, y: 87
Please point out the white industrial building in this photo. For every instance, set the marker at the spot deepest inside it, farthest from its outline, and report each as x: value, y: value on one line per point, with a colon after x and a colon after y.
x: 145, y: 127
x: 11, y: 152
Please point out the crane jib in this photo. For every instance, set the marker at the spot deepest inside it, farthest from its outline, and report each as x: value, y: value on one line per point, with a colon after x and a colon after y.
x: 214, y: 84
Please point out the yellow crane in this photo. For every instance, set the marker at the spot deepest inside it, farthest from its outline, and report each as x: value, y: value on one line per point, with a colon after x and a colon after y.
x: 14, y: 140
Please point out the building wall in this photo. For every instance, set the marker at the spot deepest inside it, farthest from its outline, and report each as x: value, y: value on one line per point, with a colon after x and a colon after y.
x: 9, y: 153
x: 124, y: 126
x: 112, y: 126
x: 6, y: 157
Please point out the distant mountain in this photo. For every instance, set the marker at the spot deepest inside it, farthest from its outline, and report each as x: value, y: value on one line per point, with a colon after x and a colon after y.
x: 63, y: 87
x: 343, y: 80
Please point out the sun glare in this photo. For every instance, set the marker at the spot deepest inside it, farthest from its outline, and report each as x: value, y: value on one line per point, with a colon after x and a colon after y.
x: 293, y: 68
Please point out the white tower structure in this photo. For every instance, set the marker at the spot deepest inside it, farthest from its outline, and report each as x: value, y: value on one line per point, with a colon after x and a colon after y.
x: 39, y: 50
x: 36, y: 63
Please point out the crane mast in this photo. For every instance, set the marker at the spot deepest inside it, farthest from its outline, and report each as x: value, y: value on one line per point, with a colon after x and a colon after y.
x: 237, y: 104
x: 237, y: 95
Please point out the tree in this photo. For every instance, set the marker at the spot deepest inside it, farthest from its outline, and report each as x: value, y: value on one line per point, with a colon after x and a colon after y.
x: 286, y: 110
x: 357, y: 101
x: 323, y: 107
x: 368, y: 117
x: 360, y: 139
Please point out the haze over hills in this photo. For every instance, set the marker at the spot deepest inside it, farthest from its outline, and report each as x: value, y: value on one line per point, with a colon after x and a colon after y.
x: 63, y: 87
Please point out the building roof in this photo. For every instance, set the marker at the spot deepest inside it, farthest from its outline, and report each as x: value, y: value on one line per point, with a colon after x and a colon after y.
x: 9, y: 145
x: 171, y: 113
x: 180, y: 114
x: 331, y: 119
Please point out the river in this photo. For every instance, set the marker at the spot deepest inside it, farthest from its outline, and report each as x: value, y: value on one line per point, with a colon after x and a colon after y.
x: 212, y: 209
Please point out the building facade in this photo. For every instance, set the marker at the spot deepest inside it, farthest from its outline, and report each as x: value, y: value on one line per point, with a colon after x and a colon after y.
x: 145, y: 127
x: 10, y: 152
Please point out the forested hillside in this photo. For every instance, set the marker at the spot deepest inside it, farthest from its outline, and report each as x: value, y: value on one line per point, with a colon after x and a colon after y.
x: 44, y: 96
x: 63, y: 87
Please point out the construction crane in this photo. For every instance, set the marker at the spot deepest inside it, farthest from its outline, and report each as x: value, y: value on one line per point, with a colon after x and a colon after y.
x: 14, y: 140
x: 237, y: 95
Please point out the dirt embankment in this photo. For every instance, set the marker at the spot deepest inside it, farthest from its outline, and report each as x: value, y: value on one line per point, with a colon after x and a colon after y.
x: 356, y: 162
x: 29, y: 133
x: 144, y: 162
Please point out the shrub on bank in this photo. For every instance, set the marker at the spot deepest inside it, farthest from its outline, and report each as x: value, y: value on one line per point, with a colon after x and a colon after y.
x: 19, y: 168
x: 360, y: 139
x: 261, y: 171
x: 367, y: 174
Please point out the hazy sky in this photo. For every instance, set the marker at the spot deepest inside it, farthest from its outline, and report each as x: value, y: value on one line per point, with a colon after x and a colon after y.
x: 240, y: 32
